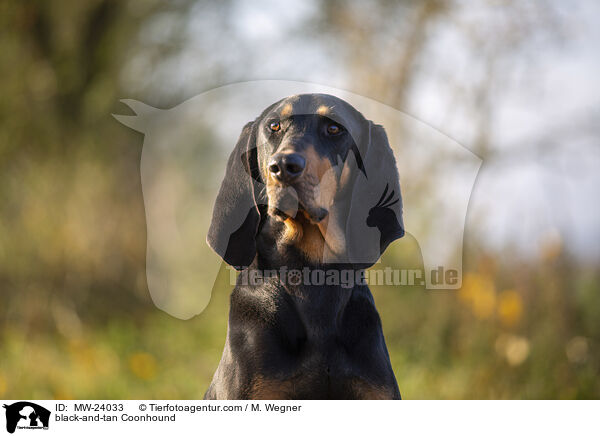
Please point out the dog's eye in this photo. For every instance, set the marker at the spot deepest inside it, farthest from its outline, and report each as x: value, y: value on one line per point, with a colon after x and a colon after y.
x: 334, y: 129
x: 274, y: 126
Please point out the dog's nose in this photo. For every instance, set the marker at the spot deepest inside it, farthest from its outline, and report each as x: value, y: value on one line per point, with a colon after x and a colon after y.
x: 286, y: 167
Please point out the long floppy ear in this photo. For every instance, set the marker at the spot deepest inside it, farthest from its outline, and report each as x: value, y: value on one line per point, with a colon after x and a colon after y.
x: 236, y: 215
x: 375, y: 216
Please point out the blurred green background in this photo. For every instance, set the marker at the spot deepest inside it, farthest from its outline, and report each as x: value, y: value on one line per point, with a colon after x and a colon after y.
x: 76, y: 318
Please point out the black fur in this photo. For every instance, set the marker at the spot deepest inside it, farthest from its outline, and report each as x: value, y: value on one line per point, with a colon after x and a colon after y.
x: 303, y: 341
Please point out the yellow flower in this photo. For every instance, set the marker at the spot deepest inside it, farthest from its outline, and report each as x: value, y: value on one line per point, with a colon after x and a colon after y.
x: 515, y: 349
x: 479, y: 293
x: 510, y: 307
x: 143, y: 365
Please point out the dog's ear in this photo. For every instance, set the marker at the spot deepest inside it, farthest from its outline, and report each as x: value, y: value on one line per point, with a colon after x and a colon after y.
x: 375, y: 216
x: 236, y: 215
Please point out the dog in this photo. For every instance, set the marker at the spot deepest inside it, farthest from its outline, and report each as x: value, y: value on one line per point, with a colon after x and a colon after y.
x: 311, y: 190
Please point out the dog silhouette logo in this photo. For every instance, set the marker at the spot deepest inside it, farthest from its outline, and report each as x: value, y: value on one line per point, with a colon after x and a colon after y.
x: 26, y: 415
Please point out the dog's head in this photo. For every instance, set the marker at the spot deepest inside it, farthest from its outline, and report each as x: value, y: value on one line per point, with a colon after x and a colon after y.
x: 316, y: 164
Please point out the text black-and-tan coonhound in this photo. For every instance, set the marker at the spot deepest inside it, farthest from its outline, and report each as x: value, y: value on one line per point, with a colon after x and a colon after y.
x: 311, y: 197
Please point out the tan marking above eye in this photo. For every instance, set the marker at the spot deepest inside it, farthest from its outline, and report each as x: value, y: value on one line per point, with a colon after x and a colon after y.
x: 274, y: 126
x: 286, y: 110
x: 323, y: 110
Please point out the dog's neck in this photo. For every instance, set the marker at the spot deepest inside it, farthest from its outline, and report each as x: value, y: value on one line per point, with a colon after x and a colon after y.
x: 293, y: 243
x: 316, y: 288
x: 280, y: 251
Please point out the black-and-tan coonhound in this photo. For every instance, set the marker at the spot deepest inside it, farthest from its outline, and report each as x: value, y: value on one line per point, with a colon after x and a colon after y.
x: 310, y: 198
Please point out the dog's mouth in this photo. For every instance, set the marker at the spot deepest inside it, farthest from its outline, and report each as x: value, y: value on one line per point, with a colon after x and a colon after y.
x: 300, y: 216
x: 314, y: 214
x: 287, y: 205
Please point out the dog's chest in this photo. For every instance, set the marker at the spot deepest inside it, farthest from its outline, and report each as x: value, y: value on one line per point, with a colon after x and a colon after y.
x: 309, y: 343
x: 336, y: 341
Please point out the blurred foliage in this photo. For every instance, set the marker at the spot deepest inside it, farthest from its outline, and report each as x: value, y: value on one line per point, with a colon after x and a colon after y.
x: 76, y: 319
x: 511, y: 332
